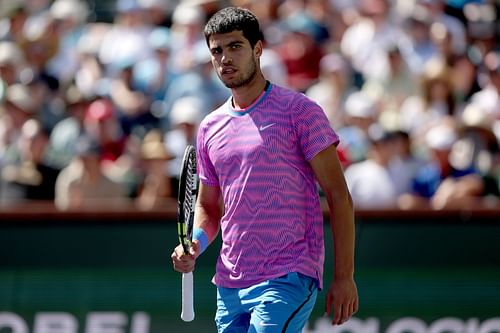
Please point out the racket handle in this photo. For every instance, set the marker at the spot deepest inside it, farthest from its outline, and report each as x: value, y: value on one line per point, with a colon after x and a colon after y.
x: 187, y: 313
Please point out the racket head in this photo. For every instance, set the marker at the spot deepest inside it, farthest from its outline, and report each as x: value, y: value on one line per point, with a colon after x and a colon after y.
x: 188, y: 187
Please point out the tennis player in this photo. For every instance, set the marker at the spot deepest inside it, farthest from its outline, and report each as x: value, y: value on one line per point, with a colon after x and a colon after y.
x: 260, y: 156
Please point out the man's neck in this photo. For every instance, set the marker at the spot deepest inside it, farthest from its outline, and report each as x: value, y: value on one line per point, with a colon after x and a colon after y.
x: 245, y: 96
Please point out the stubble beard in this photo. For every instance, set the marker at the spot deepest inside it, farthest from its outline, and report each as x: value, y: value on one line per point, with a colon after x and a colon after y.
x: 243, y: 80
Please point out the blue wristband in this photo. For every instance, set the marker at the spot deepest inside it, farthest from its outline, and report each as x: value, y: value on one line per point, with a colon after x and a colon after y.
x: 201, y: 236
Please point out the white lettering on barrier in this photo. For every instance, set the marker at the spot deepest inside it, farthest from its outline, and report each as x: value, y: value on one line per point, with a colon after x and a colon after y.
x: 408, y: 325
x: 106, y: 322
x: 55, y: 322
x: 323, y: 325
x: 490, y: 326
x: 450, y: 325
x: 13, y: 321
x: 117, y: 322
x: 140, y: 323
x: 63, y: 322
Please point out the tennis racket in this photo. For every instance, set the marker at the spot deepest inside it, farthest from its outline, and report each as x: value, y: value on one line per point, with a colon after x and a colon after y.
x: 188, y: 189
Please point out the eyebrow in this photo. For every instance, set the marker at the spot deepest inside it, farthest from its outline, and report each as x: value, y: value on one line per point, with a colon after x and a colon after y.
x: 231, y: 43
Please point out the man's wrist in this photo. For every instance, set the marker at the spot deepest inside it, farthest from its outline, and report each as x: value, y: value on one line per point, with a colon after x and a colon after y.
x: 201, y: 236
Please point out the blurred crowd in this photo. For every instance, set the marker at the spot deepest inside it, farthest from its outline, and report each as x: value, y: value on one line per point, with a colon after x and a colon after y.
x: 99, y: 113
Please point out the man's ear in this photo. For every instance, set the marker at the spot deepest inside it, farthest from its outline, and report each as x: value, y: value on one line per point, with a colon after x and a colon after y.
x: 258, y: 48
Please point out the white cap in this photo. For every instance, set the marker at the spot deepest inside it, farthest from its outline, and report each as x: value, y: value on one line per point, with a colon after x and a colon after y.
x: 155, y: 4
x: 186, y: 110
x: 188, y: 14
x: 70, y: 9
x: 333, y: 62
x: 441, y: 137
x: 89, y: 43
x: 19, y: 95
x: 475, y: 115
x: 10, y: 54
x: 160, y: 39
x: 359, y: 104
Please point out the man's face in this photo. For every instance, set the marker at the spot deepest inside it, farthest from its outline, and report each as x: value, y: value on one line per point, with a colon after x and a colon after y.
x: 234, y: 60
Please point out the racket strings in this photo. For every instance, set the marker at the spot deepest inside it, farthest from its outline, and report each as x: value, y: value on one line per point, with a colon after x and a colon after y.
x: 190, y: 193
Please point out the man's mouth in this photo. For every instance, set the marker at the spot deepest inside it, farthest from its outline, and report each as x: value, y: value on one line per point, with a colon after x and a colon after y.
x: 228, y: 70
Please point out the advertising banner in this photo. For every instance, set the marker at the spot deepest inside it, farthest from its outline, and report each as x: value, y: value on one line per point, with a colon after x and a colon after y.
x: 99, y: 277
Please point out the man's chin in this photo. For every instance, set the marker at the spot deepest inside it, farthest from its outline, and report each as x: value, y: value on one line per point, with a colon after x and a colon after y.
x: 232, y: 84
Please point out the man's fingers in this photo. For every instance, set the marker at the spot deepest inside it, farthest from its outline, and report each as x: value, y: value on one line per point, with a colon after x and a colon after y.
x: 343, y: 311
x: 338, y: 314
x: 354, y: 307
x: 182, y: 262
x: 328, y: 305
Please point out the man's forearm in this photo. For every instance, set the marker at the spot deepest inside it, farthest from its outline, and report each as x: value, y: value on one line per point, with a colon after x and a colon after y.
x: 343, y: 233
x: 208, y: 220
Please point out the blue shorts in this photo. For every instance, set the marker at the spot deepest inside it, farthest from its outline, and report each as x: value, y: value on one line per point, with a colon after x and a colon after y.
x: 279, y: 305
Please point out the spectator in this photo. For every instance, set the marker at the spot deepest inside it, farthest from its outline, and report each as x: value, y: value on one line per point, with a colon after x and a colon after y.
x: 481, y: 23
x: 273, y: 66
x: 419, y: 47
x: 300, y: 51
x: 102, y: 126
x: 154, y: 75
x: 434, y: 103
x: 360, y: 114
x: 83, y: 184
x: 365, y: 42
x: 156, y: 188
x: 439, y: 182
x: 456, y: 29
x: 66, y: 133
x: 200, y: 82
x: 370, y: 181
x: 405, y: 162
x: 488, y: 98
x: 333, y: 87
x: 69, y: 19
x: 18, y: 108
x: 159, y: 11
x: 11, y: 62
x: 40, y: 42
x: 90, y: 76
x: 16, y: 13
x: 392, y: 87
x: 187, y: 35
x: 44, y: 93
x: 479, y: 147
x: 462, y: 70
x: 28, y: 175
x: 185, y: 117
x: 126, y: 40
x: 131, y: 104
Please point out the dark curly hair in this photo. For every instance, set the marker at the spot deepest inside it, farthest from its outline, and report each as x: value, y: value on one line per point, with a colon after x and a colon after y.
x: 230, y: 19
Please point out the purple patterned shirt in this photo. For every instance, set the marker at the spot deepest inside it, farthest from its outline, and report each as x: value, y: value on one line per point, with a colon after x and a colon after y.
x: 259, y: 157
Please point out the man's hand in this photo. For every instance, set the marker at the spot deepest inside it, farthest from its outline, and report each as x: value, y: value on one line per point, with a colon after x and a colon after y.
x: 342, y: 299
x: 185, y: 263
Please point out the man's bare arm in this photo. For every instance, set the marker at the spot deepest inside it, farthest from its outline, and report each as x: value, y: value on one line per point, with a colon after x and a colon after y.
x: 342, y: 294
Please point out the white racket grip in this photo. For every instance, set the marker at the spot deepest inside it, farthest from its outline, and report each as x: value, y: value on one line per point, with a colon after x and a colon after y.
x: 187, y: 313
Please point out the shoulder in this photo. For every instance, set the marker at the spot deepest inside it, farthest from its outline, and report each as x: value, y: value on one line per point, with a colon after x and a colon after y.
x: 288, y: 93
x: 213, y: 118
x: 292, y: 100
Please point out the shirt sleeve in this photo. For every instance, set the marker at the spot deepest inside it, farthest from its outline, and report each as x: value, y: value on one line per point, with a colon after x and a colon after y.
x: 312, y: 128
x: 206, y: 170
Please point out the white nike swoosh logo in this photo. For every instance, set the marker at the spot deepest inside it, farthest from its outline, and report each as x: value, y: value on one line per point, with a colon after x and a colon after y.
x: 263, y: 128
x: 262, y: 323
